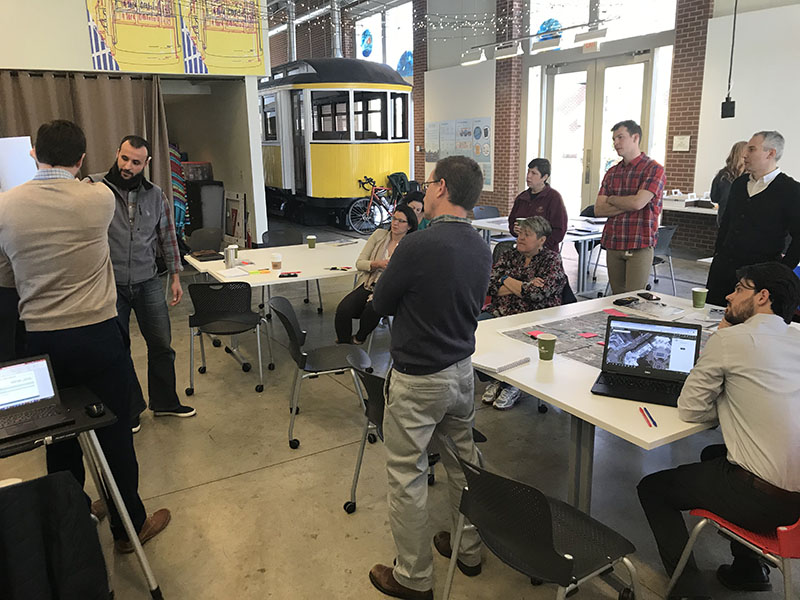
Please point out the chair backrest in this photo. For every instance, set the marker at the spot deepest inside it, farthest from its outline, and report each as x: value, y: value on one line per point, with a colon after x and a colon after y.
x: 567, y: 295
x: 205, y: 238
x: 485, y: 212
x: 588, y: 211
x: 212, y: 301
x: 282, y: 237
x: 297, y: 336
x: 500, y: 249
x: 664, y: 239
x: 373, y: 384
x: 515, y: 522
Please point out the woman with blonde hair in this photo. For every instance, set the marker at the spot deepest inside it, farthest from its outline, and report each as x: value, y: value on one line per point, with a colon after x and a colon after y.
x: 721, y: 186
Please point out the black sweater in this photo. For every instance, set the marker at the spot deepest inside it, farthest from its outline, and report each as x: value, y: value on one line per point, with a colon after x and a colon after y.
x: 754, y: 229
x: 435, y: 286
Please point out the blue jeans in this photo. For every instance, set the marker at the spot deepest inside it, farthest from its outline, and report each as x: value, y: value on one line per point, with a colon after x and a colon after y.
x: 147, y: 299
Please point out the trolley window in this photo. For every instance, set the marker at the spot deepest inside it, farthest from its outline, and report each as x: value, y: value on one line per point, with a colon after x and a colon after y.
x: 331, y: 115
x: 370, y: 115
x: 269, y: 121
x: 400, y: 111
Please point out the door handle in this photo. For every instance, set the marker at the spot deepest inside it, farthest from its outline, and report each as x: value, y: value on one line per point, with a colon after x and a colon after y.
x: 587, y: 164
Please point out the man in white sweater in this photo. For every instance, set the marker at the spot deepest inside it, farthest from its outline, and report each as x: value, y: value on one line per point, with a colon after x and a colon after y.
x: 54, y: 237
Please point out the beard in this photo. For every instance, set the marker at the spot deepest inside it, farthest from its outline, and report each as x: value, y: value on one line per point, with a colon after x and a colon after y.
x: 736, y: 317
x: 115, y: 176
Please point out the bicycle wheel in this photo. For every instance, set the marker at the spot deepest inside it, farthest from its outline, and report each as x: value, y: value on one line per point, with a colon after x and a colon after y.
x: 363, y: 220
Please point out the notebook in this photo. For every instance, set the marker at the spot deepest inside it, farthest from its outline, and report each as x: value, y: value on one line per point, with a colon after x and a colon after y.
x: 497, y: 362
x: 646, y: 360
x: 29, y: 400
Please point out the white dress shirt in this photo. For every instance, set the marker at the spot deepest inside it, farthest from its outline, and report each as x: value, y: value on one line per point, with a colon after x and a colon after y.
x: 748, y: 378
x: 754, y: 186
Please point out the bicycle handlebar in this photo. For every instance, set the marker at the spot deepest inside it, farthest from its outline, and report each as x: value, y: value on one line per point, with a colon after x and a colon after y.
x: 366, y: 181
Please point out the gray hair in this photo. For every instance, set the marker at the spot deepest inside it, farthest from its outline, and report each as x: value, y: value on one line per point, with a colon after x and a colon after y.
x: 537, y: 225
x: 772, y: 141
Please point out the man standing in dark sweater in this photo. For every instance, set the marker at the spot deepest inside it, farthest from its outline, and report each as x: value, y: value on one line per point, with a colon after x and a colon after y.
x: 434, y: 285
x: 763, y: 208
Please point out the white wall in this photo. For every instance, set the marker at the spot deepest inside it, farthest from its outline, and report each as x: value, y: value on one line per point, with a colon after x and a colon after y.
x: 723, y: 8
x: 447, y: 53
x: 460, y: 93
x: 765, y: 87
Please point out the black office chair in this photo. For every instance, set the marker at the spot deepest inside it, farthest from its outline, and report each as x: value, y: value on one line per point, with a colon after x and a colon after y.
x: 546, y: 539
x: 285, y: 237
x: 224, y: 309
x: 501, y: 248
x: 320, y: 361
x: 662, y: 253
x: 485, y: 212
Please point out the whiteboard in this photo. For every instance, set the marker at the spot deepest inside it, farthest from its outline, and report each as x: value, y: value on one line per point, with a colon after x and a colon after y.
x: 16, y: 164
x: 766, y: 87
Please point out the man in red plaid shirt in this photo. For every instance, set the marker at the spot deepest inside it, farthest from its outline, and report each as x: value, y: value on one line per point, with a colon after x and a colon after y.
x: 630, y: 196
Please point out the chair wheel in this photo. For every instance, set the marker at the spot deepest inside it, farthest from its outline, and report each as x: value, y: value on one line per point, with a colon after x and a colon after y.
x: 201, y: 370
x: 542, y: 408
x: 536, y: 581
x: 271, y: 366
x: 626, y: 594
x: 372, y: 438
x: 319, y: 310
x: 246, y: 367
x: 268, y: 316
x: 189, y: 391
x: 294, y: 444
x: 594, y: 278
x: 216, y: 343
x: 349, y: 507
x: 296, y: 410
x: 228, y: 350
x: 648, y: 286
x: 369, y: 369
x: 431, y: 478
x: 260, y: 307
x: 259, y: 388
x: 306, y: 301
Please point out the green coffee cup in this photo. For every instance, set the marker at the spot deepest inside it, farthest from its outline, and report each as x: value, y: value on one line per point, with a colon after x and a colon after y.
x: 547, y: 346
x: 312, y: 241
x: 699, y: 297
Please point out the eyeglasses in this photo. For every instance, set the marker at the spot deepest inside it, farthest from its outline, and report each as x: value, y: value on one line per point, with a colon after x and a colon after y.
x: 424, y: 186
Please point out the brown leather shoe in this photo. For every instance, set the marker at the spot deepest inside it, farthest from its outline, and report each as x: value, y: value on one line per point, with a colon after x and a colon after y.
x: 98, y: 510
x: 153, y: 525
x: 441, y: 541
x: 382, y: 578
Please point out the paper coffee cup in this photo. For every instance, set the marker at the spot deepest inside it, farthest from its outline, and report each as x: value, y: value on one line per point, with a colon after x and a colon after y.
x: 277, y: 261
x: 699, y: 297
x: 312, y: 241
x: 547, y: 345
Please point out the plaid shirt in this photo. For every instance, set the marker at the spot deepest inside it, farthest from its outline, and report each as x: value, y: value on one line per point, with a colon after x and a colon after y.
x: 167, y: 239
x: 546, y: 264
x: 635, y: 229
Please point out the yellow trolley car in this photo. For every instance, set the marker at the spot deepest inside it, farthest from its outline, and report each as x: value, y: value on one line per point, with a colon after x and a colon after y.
x: 327, y: 123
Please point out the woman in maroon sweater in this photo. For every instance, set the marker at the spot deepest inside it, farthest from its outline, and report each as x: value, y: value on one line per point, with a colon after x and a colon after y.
x: 540, y: 200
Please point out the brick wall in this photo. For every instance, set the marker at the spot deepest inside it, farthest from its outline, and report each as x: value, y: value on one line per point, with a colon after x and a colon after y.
x: 688, y: 59
x: 695, y: 231
x: 507, y: 112
x: 420, y: 9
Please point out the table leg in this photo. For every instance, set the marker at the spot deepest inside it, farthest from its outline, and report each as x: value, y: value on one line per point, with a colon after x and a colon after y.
x: 580, y: 285
x: 581, y: 463
x: 99, y: 467
x: 487, y: 236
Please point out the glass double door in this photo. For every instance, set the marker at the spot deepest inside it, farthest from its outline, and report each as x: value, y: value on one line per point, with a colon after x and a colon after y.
x: 582, y: 101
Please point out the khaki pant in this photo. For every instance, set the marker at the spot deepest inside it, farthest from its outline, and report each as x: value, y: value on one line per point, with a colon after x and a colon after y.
x: 629, y: 270
x: 417, y: 406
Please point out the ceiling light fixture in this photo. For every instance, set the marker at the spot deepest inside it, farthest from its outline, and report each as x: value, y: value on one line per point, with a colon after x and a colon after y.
x: 592, y: 34
x: 508, y: 50
x: 471, y: 57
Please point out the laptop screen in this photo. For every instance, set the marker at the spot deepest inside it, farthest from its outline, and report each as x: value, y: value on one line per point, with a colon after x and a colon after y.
x: 25, y: 382
x: 648, y: 348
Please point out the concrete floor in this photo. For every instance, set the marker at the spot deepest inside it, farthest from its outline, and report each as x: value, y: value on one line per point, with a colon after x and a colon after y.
x: 253, y: 519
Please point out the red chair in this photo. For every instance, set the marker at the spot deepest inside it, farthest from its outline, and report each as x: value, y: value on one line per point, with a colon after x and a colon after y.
x: 778, y: 548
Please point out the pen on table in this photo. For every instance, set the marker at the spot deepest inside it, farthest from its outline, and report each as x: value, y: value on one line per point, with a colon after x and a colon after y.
x: 644, y: 416
x: 651, y: 417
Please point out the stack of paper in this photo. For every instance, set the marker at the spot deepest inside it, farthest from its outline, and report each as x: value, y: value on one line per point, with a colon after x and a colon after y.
x: 233, y: 272
x: 497, y: 362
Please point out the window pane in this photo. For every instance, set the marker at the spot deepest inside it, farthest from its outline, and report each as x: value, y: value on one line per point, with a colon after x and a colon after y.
x: 375, y: 122
x: 400, y: 39
x: 660, y: 103
x: 534, y: 112
x: 268, y: 119
x: 622, y: 99
x: 400, y: 125
x: 369, y: 38
x: 327, y: 107
x: 629, y: 18
x: 569, y: 129
x: 547, y: 16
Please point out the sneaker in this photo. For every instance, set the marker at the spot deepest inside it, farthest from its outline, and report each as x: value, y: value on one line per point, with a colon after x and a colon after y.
x: 136, y: 425
x: 507, y: 398
x: 490, y: 394
x: 153, y: 525
x: 182, y: 411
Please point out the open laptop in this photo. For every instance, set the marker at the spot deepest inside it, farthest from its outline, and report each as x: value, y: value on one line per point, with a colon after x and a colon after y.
x: 29, y: 400
x: 646, y: 360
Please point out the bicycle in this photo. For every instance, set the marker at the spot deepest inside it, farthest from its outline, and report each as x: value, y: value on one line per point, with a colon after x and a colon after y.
x: 365, y: 215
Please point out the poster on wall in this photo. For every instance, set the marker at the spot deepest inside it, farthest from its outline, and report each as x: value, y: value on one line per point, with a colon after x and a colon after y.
x: 177, y: 36
x: 464, y: 137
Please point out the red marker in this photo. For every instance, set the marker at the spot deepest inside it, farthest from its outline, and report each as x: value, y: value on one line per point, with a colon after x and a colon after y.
x: 644, y: 416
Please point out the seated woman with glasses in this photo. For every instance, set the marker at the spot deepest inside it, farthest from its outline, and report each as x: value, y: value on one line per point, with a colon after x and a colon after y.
x: 527, y: 278
x: 370, y: 264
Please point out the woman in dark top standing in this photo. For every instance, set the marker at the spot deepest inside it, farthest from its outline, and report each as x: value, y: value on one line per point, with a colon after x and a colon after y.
x: 540, y: 200
x: 721, y: 186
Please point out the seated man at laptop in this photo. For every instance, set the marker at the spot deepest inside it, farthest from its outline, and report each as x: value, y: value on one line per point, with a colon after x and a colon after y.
x: 54, y: 238
x: 747, y: 380
x: 527, y: 278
